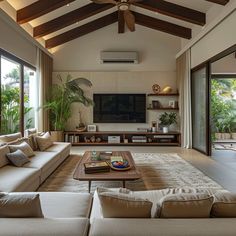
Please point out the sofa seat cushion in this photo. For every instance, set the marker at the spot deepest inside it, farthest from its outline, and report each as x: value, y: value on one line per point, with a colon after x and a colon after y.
x: 18, y: 178
x: 58, y: 147
x: 65, y: 205
x: 44, y: 227
x: 42, y: 160
x: 163, y: 227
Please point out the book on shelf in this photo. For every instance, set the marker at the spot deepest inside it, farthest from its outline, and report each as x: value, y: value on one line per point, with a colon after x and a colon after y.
x: 96, y: 167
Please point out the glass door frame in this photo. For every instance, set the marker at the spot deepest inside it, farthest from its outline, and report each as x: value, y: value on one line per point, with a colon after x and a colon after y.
x: 207, y: 64
x: 22, y: 64
x: 207, y: 108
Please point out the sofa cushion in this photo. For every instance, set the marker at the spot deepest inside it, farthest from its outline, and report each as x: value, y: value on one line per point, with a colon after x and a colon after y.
x: 44, y: 227
x: 24, y: 147
x: 6, y: 138
x: 20, y: 205
x: 3, y: 158
x: 120, y: 205
x: 224, y: 204
x: 65, y: 205
x: 163, y: 227
x: 58, y: 147
x: 18, y: 158
x: 44, y: 141
x: 18, y: 179
x: 42, y: 159
x: 186, y: 206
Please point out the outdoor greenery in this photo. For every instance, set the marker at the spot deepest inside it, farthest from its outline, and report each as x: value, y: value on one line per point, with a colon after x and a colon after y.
x: 223, y: 105
x: 63, y: 95
x: 10, y: 101
x: 167, y: 119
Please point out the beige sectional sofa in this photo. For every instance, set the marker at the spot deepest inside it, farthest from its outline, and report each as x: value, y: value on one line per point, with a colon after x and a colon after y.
x: 64, y: 214
x: 157, y: 226
x: 34, y: 173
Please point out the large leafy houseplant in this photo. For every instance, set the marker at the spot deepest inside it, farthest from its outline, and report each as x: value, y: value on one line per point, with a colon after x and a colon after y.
x: 62, y: 96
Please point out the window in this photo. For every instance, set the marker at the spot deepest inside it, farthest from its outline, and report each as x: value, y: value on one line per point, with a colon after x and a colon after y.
x: 18, y: 98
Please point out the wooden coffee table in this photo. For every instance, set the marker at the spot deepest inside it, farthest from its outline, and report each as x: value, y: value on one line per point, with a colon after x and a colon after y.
x: 113, y: 175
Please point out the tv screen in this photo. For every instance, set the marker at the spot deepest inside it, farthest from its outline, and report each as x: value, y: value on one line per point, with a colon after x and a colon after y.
x: 119, y: 108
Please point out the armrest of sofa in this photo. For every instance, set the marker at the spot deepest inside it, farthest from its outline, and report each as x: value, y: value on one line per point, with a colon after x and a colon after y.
x: 160, y: 227
x: 43, y: 227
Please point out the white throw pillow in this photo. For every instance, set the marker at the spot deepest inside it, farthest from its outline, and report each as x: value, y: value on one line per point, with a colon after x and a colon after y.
x: 196, y: 205
x: 24, y: 147
x: 20, y: 205
x: 3, y: 159
x: 120, y: 205
x: 44, y: 141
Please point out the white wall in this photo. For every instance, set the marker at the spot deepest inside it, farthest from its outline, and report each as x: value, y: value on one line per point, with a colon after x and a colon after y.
x: 120, y: 82
x: 14, y: 42
x: 219, y: 39
x: 157, y: 50
x: 226, y: 65
x: 81, y: 58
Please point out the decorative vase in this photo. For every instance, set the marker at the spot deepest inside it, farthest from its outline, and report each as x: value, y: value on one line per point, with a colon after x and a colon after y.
x: 165, y: 129
x: 57, y: 136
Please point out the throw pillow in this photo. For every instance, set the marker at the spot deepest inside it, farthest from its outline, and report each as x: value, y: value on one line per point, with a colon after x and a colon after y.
x: 44, y: 141
x: 118, y: 205
x: 224, y: 204
x: 185, y: 206
x: 3, y: 159
x: 24, y: 147
x: 20, y: 205
x: 17, y: 158
x: 28, y: 132
x: 9, y: 137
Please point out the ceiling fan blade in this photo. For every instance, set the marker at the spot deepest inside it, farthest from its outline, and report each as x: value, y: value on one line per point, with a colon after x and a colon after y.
x: 134, y: 1
x: 104, y: 1
x: 129, y: 20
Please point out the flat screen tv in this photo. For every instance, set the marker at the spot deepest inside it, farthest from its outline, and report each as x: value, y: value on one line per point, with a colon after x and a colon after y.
x: 119, y: 108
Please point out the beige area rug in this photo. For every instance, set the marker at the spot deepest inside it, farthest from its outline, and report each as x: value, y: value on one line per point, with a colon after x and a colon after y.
x: 158, y: 171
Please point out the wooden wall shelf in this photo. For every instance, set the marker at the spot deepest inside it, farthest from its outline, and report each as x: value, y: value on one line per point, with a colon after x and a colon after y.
x: 162, y: 108
x: 162, y: 94
x: 153, y: 139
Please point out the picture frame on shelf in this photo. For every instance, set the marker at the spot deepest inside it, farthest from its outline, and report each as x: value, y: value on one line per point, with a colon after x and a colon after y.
x: 92, y: 128
x: 172, y: 104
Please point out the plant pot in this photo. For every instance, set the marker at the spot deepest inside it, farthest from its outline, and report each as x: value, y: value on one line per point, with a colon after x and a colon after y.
x: 218, y: 136
x: 57, y: 136
x: 233, y: 135
x: 226, y: 136
x: 165, y: 129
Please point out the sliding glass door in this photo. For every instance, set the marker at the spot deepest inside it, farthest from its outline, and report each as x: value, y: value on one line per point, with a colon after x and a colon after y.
x: 200, y: 109
x: 18, y: 98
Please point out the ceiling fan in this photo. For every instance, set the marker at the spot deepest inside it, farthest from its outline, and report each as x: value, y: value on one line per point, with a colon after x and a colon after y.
x: 124, y: 6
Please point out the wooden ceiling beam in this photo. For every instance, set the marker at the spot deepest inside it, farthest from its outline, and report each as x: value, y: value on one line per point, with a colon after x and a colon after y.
x: 121, y: 22
x: 70, y: 18
x: 221, y: 2
x: 163, y: 26
x: 174, y: 10
x: 38, y: 9
x: 82, y: 30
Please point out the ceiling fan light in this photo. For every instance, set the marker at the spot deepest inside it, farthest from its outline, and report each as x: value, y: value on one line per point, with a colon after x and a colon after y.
x: 123, y: 6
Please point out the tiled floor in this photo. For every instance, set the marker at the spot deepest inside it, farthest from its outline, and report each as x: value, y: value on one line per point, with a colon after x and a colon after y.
x: 220, y: 168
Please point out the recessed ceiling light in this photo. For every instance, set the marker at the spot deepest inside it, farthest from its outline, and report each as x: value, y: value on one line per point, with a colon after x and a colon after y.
x: 67, y: 4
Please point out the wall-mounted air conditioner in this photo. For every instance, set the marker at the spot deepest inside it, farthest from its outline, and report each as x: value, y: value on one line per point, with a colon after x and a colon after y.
x: 119, y: 57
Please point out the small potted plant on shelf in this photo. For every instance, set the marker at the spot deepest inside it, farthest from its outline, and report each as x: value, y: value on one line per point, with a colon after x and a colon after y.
x: 59, y: 105
x: 167, y: 119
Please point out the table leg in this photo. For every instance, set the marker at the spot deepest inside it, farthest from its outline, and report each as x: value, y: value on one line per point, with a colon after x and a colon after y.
x: 123, y: 183
x: 89, y: 186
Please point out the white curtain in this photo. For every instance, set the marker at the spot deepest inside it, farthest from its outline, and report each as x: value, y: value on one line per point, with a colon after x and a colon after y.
x: 183, y: 69
x: 44, y: 74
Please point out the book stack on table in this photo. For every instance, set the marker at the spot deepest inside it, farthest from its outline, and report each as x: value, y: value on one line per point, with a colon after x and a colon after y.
x: 96, y: 167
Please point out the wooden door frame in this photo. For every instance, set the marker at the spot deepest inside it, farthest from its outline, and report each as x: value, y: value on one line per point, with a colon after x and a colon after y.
x: 207, y: 111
